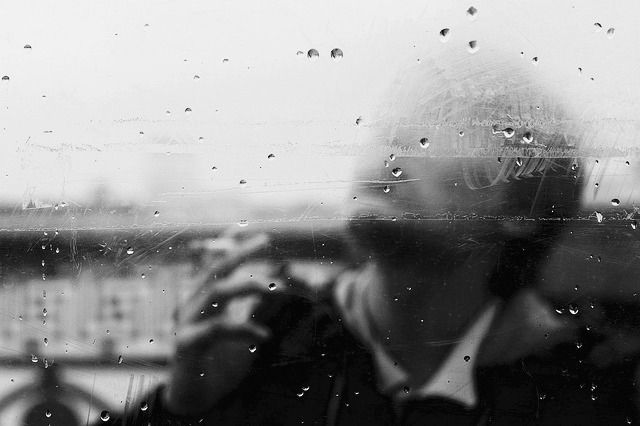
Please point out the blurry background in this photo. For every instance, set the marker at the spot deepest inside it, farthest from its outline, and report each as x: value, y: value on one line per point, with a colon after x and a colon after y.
x: 130, y: 129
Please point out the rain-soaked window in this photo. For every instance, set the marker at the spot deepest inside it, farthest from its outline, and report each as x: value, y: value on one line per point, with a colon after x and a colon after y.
x: 320, y: 213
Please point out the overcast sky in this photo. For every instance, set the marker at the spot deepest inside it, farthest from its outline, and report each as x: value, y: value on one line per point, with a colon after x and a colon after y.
x: 100, y: 72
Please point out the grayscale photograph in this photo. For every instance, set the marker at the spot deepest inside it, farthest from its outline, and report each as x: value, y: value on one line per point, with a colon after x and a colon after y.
x: 319, y: 213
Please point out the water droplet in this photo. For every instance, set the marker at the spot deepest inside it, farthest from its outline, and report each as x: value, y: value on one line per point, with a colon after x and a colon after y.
x: 313, y: 54
x: 271, y: 156
x: 467, y: 358
x: 196, y: 77
x: 105, y: 416
x: 272, y: 286
x: 634, y: 225
x: 27, y: 46
x: 599, y: 217
x: 120, y: 359
x: 305, y: 388
x: 151, y: 341
x: 386, y: 189
x: 445, y: 33
x: 214, y: 168
x: 573, y: 309
x: 46, y: 341
x: 461, y: 133
x: 560, y: 311
x: 597, y: 26
x: 47, y: 413
x: 578, y: 345
x: 611, y: 32
x: 519, y: 162
x: 44, y: 312
x: 628, y: 420
x: 57, y: 250
x: 130, y: 250
x: 396, y: 172
x: 358, y: 121
x: 34, y: 358
x: 574, y: 167
x: 472, y: 46
x: 144, y: 406
x: 392, y: 157
x: 615, y: 202
x: 143, y: 276
x: 187, y: 110
x: 337, y: 54
x: 579, y: 70
x: 508, y: 132
x: 252, y: 348
x: 243, y: 223
x: 299, y: 53
x: 201, y: 374
x: 386, y: 163
x: 156, y: 213
x: 424, y: 143
x: 300, y: 394
x: 527, y: 137
x: 534, y: 60
x: 243, y: 182
x: 472, y: 13
x: 167, y: 112
x: 542, y: 396
x: 225, y: 60
x: 5, y: 78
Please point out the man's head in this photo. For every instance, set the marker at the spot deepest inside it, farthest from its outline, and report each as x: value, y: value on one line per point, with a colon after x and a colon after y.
x: 472, y: 170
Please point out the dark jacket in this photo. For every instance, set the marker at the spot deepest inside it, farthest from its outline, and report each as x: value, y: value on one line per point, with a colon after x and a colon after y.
x: 317, y: 373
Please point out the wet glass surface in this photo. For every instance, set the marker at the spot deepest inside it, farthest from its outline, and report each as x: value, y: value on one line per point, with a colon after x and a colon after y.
x: 319, y: 213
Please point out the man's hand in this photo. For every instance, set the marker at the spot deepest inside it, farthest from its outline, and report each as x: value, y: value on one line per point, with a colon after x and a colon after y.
x: 217, y: 336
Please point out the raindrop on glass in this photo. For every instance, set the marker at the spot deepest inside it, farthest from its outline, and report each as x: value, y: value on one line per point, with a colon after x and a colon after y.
x: 472, y: 46
x: 187, y: 110
x: 392, y: 157
x: 461, y: 133
x: 27, y: 46
x: 527, y: 137
x: 299, y: 53
x: 358, y: 121
x: 313, y: 54
x: 445, y: 34
x: 243, y: 223
x: 272, y: 286
x: 534, y: 60
x: 196, y: 77
x: 46, y: 341
x: 144, y: 406
x: 252, y: 348
x: 599, y: 217
x: 508, y: 132
x: 611, y: 32
x: 615, y: 202
x: 243, y: 182
x: 271, y: 156
x: 143, y: 276
x: 130, y: 250
x: 634, y: 225
x: 337, y: 54
x: 156, y: 213
x: 120, y: 359
x: 424, y: 143
x: 47, y: 413
x: 573, y: 309
x: 597, y: 26
x: 467, y: 358
x: 5, y: 78
x: 396, y: 172
x: 386, y: 189
x: 472, y: 13
x: 519, y: 162
x: 105, y: 416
